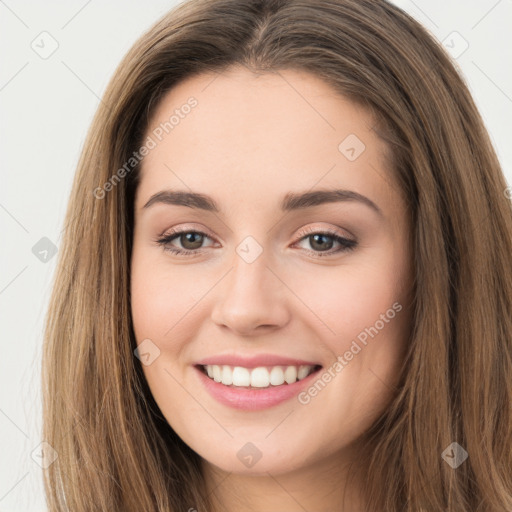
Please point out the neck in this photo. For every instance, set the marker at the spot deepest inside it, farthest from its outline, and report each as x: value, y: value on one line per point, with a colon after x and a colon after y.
x: 324, y: 486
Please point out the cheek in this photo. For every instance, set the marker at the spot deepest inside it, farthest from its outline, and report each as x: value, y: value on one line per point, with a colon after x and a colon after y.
x: 348, y: 299
x: 360, y: 314
x: 162, y: 301
x: 161, y: 295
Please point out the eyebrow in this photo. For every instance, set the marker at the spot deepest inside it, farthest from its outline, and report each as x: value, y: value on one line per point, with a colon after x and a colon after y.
x: 291, y: 201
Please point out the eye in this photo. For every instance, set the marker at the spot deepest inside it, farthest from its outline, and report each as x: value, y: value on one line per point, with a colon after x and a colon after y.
x: 323, y: 240
x: 191, y: 240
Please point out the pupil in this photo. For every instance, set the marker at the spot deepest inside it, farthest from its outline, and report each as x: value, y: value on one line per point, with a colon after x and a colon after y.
x: 316, y: 237
x: 190, y: 237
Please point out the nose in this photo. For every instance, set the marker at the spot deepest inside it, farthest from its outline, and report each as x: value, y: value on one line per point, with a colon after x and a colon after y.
x: 251, y: 298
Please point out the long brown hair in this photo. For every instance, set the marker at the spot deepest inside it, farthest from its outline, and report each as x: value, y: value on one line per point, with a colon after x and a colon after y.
x: 115, y: 450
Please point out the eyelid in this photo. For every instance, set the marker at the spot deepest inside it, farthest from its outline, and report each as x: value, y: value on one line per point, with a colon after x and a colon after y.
x: 313, y: 229
x: 303, y: 231
x: 185, y: 227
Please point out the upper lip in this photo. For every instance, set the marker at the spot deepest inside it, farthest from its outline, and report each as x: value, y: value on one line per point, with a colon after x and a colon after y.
x: 254, y: 361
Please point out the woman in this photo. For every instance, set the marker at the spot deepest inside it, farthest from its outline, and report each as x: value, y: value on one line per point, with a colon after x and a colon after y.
x: 205, y: 351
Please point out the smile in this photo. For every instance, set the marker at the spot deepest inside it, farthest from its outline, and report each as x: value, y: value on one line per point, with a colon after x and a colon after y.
x: 259, y: 377
x: 253, y: 389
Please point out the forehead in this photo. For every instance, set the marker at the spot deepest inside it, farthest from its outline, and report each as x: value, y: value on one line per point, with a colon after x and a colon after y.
x: 260, y: 135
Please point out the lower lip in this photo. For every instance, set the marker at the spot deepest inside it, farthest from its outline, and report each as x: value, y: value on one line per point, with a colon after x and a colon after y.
x: 253, y: 399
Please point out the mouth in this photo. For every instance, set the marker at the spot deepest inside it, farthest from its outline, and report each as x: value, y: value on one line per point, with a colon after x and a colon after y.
x: 259, y: 377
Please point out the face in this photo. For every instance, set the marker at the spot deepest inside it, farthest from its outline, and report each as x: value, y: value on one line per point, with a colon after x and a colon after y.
x: 269, y: 280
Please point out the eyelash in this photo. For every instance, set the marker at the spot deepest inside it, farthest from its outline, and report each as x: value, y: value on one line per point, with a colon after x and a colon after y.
x: 346, y: 244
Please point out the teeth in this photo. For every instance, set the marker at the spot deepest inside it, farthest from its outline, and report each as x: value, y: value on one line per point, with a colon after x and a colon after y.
x: 261, y: 377
x: 241, y: 376
x: 227, y: 375
x: 276, y: 376
x: 290, y: 374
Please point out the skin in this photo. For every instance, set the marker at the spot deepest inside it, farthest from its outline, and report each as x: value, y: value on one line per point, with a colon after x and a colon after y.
x: 250, y: 140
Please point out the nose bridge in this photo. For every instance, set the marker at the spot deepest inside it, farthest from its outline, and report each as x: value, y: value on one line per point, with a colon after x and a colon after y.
x: 250, y: 267
x: 251, y: 295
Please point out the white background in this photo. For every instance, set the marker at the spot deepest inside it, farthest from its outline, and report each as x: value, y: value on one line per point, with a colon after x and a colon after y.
x: 46, y: 107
